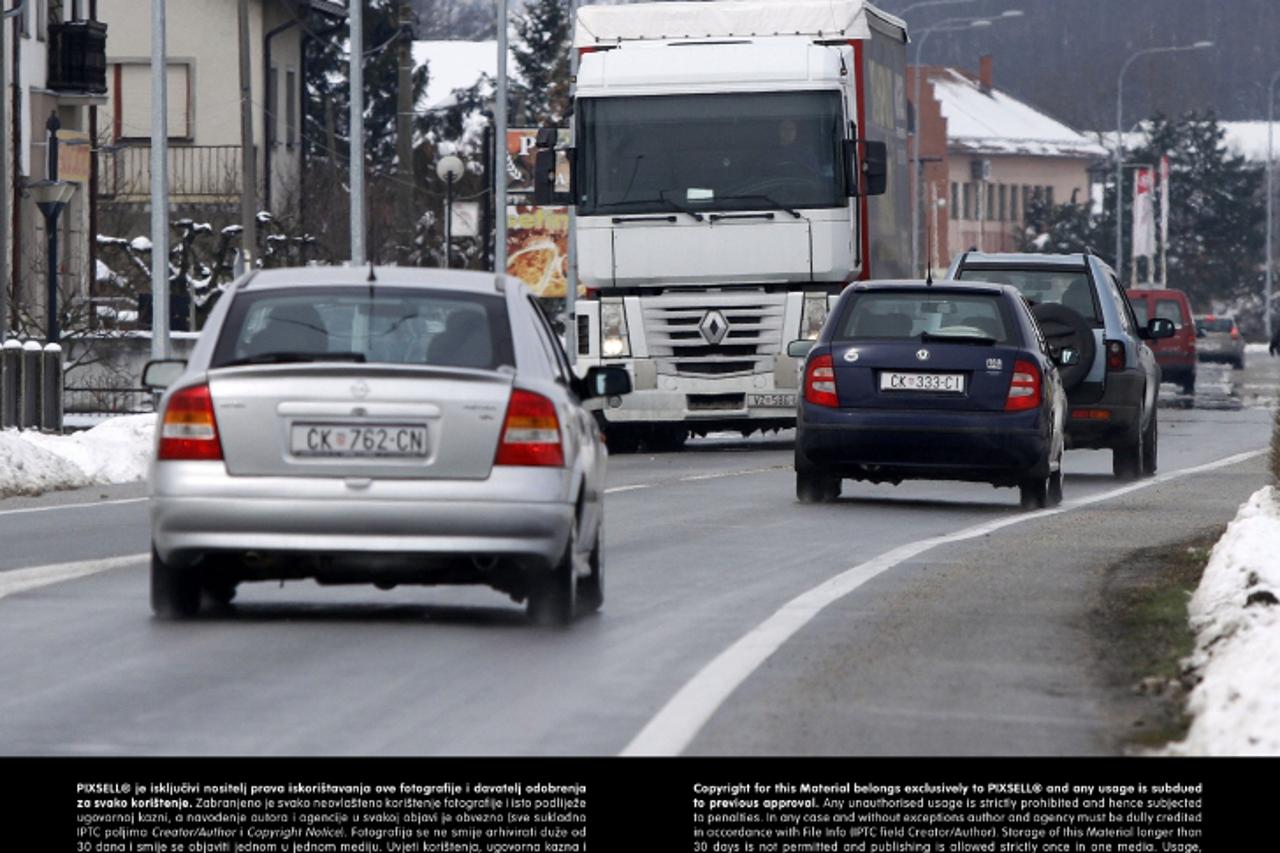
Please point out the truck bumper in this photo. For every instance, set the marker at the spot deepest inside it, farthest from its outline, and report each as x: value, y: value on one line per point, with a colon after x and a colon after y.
x: 759, y: 399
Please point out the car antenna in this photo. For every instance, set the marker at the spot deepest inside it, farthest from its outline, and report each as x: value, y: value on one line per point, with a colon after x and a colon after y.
x: 928, y: 253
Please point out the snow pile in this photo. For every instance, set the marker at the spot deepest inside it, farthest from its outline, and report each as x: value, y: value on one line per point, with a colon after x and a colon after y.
x: 116, y: 451
x: 1236, y: 705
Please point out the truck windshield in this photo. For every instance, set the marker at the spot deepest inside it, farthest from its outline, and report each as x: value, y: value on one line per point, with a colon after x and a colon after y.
x: 742, y: 151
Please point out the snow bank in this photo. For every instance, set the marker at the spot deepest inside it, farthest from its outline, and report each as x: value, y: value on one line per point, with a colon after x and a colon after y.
x: 1235, y: 614
x: 116, y: 451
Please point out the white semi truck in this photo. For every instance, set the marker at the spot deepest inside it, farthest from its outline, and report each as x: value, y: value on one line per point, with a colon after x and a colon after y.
x: 735, y: 164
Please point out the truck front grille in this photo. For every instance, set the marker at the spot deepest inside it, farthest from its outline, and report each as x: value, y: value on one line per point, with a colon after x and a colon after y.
x: 673, y: 328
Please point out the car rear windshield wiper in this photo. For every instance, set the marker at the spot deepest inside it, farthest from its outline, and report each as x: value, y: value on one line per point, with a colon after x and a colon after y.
x: 777, y: 205
x: 929, y: 337
x: 287, y: 357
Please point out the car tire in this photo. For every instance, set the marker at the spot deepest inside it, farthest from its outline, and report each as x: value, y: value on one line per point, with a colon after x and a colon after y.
x: 591, y: 588
x: 1126, y: 460
x: 175, y: 593
x: 1151, y: 447
x: 553, y: 594
x: 1189, y: 386
x: 1238, y: 364
x: 1055, y: 489
x: 1033, y: 493
x: 813, y: 486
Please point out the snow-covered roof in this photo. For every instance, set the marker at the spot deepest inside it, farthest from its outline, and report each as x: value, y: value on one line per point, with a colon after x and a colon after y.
x: 993, y: 122
x: 1247, y: 139
x: 845, y: 19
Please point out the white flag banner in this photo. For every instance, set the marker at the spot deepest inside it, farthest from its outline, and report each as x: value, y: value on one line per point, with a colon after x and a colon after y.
x: 1144, y: 219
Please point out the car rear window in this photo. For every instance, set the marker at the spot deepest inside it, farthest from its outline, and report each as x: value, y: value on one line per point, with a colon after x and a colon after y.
x: 1170, y: 309
x: 1215, y: 324
x: 909, y: 315
x: 385, y: 325
x: 1061, y: 287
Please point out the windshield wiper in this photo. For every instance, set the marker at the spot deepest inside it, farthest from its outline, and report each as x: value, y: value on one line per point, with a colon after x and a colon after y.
x: 287, y: 357
x: 777, y: 205
x: 926, y: 337
x: 662, y: 194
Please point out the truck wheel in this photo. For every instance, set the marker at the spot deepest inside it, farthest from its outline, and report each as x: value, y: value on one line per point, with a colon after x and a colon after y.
x: 175, y: 593
x: 621, y: 439
x: 666, y: 439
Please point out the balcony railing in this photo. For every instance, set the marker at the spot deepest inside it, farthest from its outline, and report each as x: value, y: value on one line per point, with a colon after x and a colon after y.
x: 78, y: 57
x: 199, y: 174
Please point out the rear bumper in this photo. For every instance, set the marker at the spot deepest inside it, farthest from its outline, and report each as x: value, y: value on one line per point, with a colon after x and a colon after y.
x: 1110, y: 420
x: 197, y: 510
x: 895, y: 445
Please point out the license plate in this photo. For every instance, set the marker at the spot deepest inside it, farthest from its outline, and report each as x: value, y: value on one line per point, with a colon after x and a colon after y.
x: 348, y: 440
x: 771, y: 401
x: 943, y: 383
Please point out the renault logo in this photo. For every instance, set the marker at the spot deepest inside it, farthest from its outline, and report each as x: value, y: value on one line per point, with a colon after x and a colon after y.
x: 922, y: 354
x: 713, y: 327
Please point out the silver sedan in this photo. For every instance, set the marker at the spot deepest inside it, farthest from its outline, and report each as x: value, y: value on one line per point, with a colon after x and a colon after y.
x: 383, y: 425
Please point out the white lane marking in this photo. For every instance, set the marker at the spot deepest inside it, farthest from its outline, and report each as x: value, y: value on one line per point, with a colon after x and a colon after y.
x: 70, y: 506
x: 21, y: 580
x: 694, y: 478
x: 674, y: 727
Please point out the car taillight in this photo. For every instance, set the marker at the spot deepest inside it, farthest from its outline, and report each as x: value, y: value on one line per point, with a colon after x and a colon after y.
x: 531, y: 432
x: 1235, y: 333
x: 188, y: 429
x: 1024, y: 388
x: 1115, y: 355
x: 820, y: 382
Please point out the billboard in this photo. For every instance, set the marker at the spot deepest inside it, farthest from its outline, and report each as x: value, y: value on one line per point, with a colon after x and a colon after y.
x: 538, y: 247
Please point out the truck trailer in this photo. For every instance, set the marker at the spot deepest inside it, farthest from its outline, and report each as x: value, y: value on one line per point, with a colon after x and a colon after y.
x: 734, y: 165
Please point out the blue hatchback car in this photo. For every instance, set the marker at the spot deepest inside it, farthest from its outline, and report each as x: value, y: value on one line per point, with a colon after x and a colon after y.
x: 943, y: 380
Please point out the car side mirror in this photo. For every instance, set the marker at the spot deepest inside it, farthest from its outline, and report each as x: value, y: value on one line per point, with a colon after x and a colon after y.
x: 161, y: 373
x: 1066, y: 357
x: 1158, y: 328
x: 606, y: 382
x: 800, y: 348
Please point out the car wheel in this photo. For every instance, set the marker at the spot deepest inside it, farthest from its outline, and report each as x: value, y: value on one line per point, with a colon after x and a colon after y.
x: 175, y: 593
x: 591, y: 588
x: 1189, y: 386
x: 814, y: 488
x: 553, y: 593
x: 1034, y: 493
x: 1151, y: 446
x: 1055, y: 488
x: 1126, y: 460
x: 1239, y: 363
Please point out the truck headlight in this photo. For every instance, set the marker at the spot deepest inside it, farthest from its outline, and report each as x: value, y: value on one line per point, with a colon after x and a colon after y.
x: 614, y: 341
x: 813, y: 316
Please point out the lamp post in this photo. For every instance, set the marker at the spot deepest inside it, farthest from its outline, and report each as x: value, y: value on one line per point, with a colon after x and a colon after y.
x: 449, y: 169
x: 1119, y: 152
x: 51, y: 197
x: 946, y: 25
x: 1271, y: 99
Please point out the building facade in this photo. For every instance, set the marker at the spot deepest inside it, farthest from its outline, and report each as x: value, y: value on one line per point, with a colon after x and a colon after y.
x: 985, y: 158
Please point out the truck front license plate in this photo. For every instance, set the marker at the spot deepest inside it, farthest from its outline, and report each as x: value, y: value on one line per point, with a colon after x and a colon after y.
x: 771, y: 401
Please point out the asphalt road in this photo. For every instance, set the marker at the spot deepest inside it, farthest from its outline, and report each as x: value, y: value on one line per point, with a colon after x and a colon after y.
x: 737, y: 620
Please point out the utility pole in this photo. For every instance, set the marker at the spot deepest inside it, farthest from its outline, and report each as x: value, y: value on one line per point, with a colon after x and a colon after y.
x: 248, y: 160
x: 159, y: 185
x: 500, y: 148
x: 5, y: 219
x: 571, y: 280
x: 356, y: 76
x: 404, y: 115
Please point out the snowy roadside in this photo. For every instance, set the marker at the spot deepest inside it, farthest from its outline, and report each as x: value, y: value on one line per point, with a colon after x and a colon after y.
x: 115, y: 451
x: 1236, y: 617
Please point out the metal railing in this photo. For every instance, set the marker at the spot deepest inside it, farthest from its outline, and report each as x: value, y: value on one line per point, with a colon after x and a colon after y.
x: 197, y: 173
x: 107, y: 401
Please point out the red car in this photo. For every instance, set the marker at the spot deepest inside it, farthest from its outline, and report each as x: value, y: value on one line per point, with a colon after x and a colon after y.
x: 1176, y: 355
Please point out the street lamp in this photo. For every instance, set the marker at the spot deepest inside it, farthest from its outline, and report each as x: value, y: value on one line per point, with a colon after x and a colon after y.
x: 946, y: 25
x: 51, y: 197
x: 1119, y: 152
x: 449, y: 169
x: 1271, y: 99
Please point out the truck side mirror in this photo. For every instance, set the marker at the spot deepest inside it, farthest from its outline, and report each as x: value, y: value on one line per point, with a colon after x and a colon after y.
x: 545, y: 166
x: 875, y: 167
